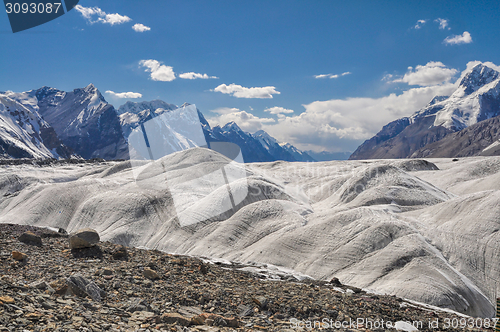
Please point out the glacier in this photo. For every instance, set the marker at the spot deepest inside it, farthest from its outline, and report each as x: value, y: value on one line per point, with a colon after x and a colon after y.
x: 425, y: 231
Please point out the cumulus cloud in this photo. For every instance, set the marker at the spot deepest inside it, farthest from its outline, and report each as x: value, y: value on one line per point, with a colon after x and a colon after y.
x: 443, y: 24
x: 138, y: 27
x: 193, y: 76
x: 464, y: 38
x: 343, y: 124
x: 159, y: 72
x: 332, y: 75
x: 434, y: 72
x: 278, y: 110
x: 243, y: 92
x: 246, y: 121
x: 97, y: 15
x: 124, y: 94
x: 419, y: 24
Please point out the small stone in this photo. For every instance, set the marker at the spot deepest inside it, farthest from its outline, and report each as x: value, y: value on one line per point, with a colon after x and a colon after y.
x: 48, y: 305
x: 356, y: 290
x: 60, y: 286
x: 30, y: 238
x: 138, y: 304
x: 120, y: 254
x: 6, y: 299
x: 150, y: 274
x: 189, y: 311
x: 175, y: 318
x: 203, y: 268
x: 33, y: 316
x: 232, y: 322
x: 39, y: 284
x: 245, y: 311
x: 107, y: 272
x: 19, y: 256
x: 83, y: 238
x: 261, y: 301
x: 336, y: 282
x: 141, y: 316
x: 214, y: 320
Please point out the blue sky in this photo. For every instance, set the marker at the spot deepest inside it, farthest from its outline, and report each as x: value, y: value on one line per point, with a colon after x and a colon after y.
x: 322, y: 75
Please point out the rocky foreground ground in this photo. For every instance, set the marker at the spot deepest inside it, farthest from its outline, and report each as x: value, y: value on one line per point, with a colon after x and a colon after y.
x: 46, y: 286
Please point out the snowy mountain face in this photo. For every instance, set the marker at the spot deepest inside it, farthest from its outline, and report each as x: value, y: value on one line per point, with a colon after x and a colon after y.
x: 480, y: 139
x: 84, y: 121
x: 476, y: 99
x: 133, y: 114
x: 259, y: 147
x: 281, y: 151
x: 251, y: 148
x: 23, y: 132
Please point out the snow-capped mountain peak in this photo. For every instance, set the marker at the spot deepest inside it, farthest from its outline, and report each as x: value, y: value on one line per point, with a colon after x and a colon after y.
x: 265, y: 139
x: 479, y: 76
x: 24, y: 133
x: 470, y: 103
x: 132, y: 114
x: 476, y: 98
x: 231, y: 126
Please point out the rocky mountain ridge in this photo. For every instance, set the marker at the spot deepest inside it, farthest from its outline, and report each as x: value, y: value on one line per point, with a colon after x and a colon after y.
x: 82, y: 124
x: 257, y: 147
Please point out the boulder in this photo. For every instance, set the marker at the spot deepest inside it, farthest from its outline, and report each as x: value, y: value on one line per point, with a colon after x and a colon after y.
x: 19, y: 256
x: 30, y: 238
x: 120, y: 254
x: 138, y: 304
x: 150, y: 274
x: 175, y: 318
x: 80, y: 286
x: 83, y: 238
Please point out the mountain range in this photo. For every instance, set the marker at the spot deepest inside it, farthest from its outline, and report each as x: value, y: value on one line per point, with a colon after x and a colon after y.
x: 257, y: 147
x: 50, y: 123
x: 464, y: 124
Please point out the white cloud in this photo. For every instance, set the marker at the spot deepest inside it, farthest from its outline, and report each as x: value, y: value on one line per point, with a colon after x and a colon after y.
x: 243, y: 92
x: 138, y: 27
x: 278, y: 110
x: 97, y: 15
x: 124, y: 94
x: 246, y: 121
x: 343, y: 124
x: 434, y: 72
x: 332, y: 75
x: 419, y: 24
x: 464, y: 38
x: 443, y: 24
x: 193, y: 76
x: 159, y: 72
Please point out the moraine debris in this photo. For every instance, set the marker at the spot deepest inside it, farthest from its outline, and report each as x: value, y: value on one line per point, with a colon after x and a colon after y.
x: 56, y: 291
